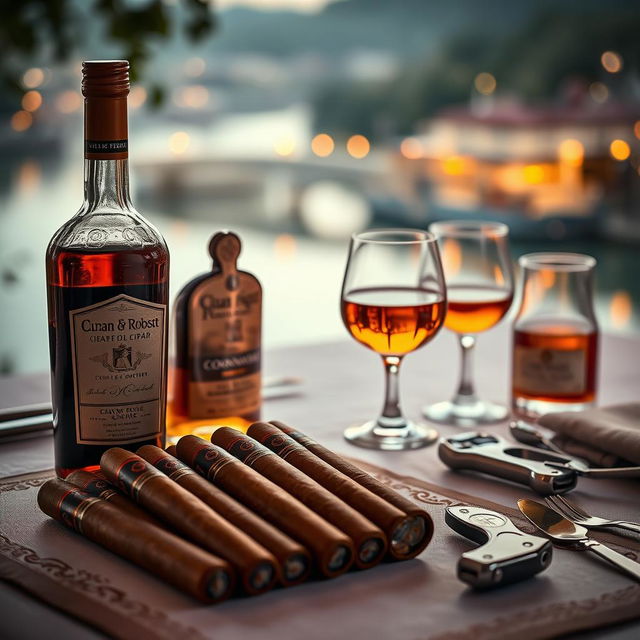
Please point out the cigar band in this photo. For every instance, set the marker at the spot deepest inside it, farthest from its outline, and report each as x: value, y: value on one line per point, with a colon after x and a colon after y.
x: 72, y: 507
x: 247, y: 451
x: 132, y: 475
x: 172, y: 467
x: 208, y: 461
x: 99, y: 488
x: 301, y: 438
x: 281, y: 444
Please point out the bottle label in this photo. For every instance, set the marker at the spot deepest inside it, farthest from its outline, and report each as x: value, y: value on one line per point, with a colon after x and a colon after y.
x: 549, y: 372
x: 118, y: 356
x: 225, y: 316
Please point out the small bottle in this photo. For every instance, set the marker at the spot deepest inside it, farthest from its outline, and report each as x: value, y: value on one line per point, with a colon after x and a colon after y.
x: 107, y: 289
x: 218, y: 322
x: 555, y: 339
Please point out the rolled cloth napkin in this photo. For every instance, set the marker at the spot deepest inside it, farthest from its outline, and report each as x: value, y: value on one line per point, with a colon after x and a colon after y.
x: 608, y: 436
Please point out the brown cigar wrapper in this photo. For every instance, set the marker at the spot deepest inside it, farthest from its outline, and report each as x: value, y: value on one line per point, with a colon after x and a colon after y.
x: 369, y: 540
x: 172, y: 559
x: 294, y: 560
x: 332, y: 550
x: 98, y: 487
x: 423, y: 522
x: 257, y: 569
x: 394, y: 522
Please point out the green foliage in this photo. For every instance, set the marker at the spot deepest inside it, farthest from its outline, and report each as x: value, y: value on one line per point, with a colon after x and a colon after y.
x: 31, y: 30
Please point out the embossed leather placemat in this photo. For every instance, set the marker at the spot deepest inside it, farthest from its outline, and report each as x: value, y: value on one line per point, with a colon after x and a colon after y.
x: 419, y: 599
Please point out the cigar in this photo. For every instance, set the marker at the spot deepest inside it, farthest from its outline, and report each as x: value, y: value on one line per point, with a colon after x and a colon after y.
x: 419, y: 530
x: 294, y: 560
x: 395, y: 523
x: 369, y: 540
x: 171, y: 450
x: 155, y: 492
x: 332, y: 550
x: 98, y: 487
x: 172, y: 559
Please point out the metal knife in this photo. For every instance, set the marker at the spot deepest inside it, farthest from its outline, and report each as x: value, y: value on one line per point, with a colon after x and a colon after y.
x: 567, y: 532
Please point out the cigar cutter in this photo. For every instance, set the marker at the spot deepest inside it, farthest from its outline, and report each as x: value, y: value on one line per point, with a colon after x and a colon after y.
x: 475, y: 451
x: 506, y: 554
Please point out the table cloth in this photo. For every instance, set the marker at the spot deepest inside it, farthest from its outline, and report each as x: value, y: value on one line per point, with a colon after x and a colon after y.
x: 343, y: 384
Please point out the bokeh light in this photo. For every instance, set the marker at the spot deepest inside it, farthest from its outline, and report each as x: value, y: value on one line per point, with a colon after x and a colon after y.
x: 636, y: 129
x: 68, y: 101
x: 193, y: 97
x: 620, y: 309
x: 571, y: 152
x: 619, y: 150
x: 358, y: 146
x: 598, y: 92
x: 411, y: 148
x: 32, y: 101
x: 137, y: 96
x: 322, y: 145
x: 284, y: 147
x: 454, y: 165
x: 285, y: 246
x: 21, y: 120
x: 533, y: 174
x: 611, y: 61
x: 179, y: 142
x: 485, y: 83
x: 33, y: 78
x: 194, y: 67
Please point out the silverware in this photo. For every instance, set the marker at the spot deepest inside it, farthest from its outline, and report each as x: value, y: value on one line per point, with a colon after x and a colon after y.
x: 579, y: 516
x: 527, y: 434
x: 567, y: 532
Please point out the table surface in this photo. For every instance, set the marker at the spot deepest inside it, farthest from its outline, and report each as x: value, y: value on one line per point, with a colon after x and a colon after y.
x: 342, y: 384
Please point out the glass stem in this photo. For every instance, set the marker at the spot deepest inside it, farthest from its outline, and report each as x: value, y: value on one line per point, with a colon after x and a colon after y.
x: 466, y: 393
x: 391, y: 413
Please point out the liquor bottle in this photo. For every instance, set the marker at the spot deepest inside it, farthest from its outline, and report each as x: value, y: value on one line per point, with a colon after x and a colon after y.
x: 107, y: 289
x: 216, y: 379
x: 555, y: 338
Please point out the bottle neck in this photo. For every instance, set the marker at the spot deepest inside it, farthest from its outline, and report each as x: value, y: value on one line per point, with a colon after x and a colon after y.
x: 106, y: 185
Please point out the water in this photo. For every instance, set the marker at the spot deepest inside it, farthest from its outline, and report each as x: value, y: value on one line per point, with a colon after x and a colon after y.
x: 38, y: 195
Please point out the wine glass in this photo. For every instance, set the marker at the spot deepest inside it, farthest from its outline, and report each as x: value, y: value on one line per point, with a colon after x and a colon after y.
x: 479, y: 274
x: 393, y: 302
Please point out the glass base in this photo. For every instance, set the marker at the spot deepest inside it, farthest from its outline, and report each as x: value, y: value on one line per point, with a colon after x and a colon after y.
x: 372, y: 436
x: 533, y: 409
x: 466, y: 415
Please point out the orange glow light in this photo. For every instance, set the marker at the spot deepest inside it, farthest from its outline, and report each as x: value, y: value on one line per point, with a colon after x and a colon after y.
x: 533, y: 174
x: 611, y: 61
x: 636, y: 129
x: 620, y: 309
x: 571, y: 152
x: 411, y: 148
x: 451, y: 257
x: 31, y: 101
x: 485, y: 83
x: 137, y: 96
x: 322, y: 145
x: 454, y: 165
x: 620, y: 150
x: 21, y: 120
x: 68, y: 101
x: 358, y: 146
x: 284, y: 247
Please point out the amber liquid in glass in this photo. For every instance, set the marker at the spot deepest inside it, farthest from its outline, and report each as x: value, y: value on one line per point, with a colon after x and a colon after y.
x: 472, y: 309
x: 555, y: 362
x: 395, y: 320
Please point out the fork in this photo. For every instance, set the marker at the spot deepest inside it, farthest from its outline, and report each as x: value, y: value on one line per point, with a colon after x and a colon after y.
x: 579, y: 516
